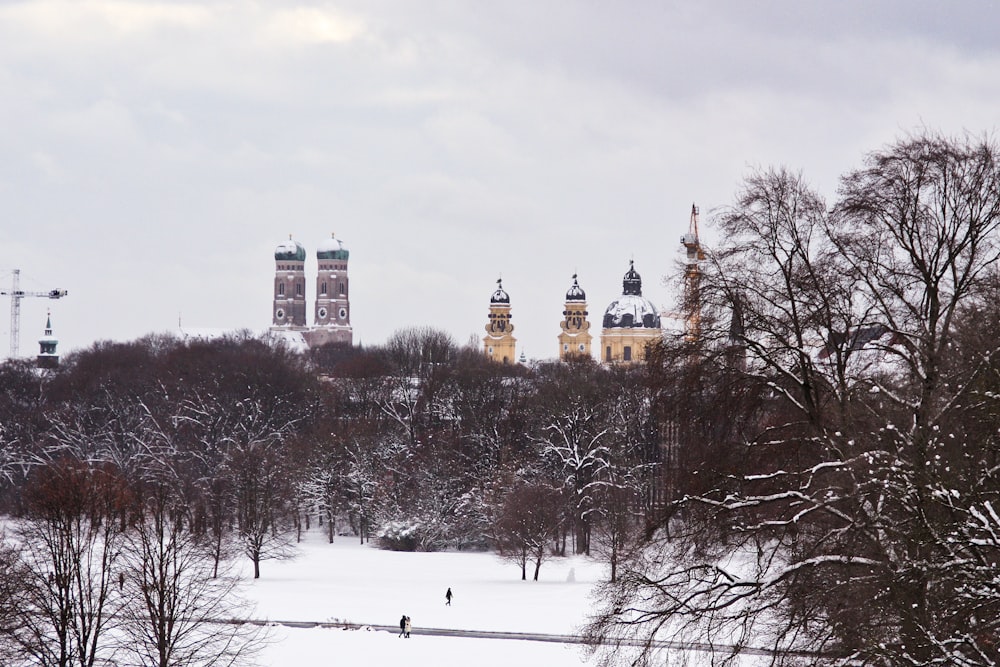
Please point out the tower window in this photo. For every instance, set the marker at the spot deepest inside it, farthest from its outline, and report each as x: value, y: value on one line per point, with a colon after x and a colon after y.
x: 298, y: 289
x: 607, y: 353
x: 565, y: 347
x: 281, y: 289
x: 627, y: 353
x: 342, y: 291
x: 322, y: 288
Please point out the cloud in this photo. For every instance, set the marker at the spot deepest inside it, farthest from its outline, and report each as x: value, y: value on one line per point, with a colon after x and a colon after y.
x: 86, y: 20
x: 310, y: 25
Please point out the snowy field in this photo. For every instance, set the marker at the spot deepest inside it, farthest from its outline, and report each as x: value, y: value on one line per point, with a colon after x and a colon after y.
x: 347, y: 582
x: 363, y: 585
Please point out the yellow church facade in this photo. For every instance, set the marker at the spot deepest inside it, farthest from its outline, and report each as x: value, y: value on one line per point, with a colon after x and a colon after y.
x: 575, y: 338
x: 499, y: 343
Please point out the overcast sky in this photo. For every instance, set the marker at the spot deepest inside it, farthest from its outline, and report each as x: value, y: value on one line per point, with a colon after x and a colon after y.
x: 152, y: 155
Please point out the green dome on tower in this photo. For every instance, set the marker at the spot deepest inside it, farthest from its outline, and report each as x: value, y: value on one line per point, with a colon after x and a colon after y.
x: 290, y: 250
x: 332, y: 248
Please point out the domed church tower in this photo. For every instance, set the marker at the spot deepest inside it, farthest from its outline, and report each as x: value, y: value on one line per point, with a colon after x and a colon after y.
x: 575, y: 337
x: 499, y: 343
x: 630, y: 323
x: 289, y: 285
x: 332, y: 317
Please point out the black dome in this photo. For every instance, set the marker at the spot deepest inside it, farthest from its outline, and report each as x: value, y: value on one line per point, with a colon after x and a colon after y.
x: 499, y: 296
x: 575, y: 293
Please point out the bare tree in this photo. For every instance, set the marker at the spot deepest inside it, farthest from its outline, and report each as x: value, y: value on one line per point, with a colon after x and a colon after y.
x: 178, y: 610
x: 262, y: 492
x: 523, y: 531
x: 14, y: 578
x: 576, y: 435
x: 71, y: 537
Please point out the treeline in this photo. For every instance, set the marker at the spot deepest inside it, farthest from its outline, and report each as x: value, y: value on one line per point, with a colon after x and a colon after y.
x: 419, y: 443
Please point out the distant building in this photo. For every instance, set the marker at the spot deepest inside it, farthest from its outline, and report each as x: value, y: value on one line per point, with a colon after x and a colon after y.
x: 290, y: 285
x: 47, y: 355
x: 631, y: 322
x: 575, y: 337
x: 332, y: 313
x: 499, y: 342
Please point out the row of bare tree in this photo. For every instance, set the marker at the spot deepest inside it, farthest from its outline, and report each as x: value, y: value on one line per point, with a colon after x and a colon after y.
x: 102, y: 570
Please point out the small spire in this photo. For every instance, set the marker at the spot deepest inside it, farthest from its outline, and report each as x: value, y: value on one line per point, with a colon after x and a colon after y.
x: 632, y: 283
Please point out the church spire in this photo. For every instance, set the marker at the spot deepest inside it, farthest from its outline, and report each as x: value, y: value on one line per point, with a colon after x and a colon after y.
x: 47, y: 355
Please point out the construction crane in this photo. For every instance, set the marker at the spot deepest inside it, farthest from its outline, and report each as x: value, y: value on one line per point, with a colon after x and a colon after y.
x: 16, y: 294
x: 692, y: 279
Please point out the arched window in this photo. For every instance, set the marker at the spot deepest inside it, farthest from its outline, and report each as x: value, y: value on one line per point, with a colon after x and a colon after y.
x: 322, y: 288
x: 298, y: 289
x: 627, y: 353
x: 342, y: 288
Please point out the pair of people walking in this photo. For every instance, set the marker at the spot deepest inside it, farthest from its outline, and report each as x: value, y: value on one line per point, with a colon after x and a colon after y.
x: 404, y: 626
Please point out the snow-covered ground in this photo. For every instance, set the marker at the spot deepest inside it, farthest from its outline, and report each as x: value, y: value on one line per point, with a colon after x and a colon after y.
x: 345, y: 581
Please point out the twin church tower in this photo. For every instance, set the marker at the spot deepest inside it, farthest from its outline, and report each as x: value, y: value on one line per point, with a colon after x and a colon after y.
x: 332, y: 311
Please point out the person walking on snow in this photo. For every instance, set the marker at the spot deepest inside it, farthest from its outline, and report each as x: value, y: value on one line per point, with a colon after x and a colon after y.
x: 447, y: 596
x: 402, y: 625
x: 406, y: 626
